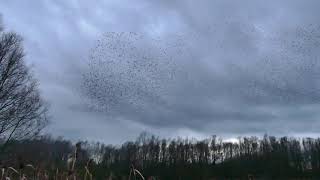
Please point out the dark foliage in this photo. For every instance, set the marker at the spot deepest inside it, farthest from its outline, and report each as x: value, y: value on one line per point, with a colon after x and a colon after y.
x: 268, y: 157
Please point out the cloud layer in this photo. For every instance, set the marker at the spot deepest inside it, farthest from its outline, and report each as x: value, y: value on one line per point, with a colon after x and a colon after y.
x: 173, y: 67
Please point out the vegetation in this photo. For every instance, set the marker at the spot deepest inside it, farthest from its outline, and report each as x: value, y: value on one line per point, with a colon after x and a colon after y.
x: 268, y: 157
x: 23, y: 113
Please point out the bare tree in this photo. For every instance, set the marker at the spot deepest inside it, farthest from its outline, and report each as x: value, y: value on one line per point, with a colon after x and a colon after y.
x: 23, y: 113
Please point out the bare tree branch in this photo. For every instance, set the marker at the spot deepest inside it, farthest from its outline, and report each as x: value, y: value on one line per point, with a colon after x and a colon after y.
x: 23, y: 113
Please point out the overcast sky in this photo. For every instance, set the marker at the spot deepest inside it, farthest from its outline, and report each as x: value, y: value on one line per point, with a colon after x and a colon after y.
x: 111, y: 68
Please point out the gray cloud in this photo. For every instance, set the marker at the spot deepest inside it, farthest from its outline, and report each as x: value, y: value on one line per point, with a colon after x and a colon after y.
x: 211, y: 67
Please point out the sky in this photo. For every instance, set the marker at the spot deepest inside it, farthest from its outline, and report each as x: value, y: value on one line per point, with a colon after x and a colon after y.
x: 111, y: 69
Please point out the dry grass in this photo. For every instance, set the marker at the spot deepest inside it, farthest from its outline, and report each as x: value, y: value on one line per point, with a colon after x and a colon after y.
x: 10, y: 173
x: 134, y: 172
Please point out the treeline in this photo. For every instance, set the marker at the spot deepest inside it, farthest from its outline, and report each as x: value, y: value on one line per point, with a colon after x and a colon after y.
x: 176, y: 158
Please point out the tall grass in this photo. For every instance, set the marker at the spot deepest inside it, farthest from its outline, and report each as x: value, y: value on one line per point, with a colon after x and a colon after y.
x: 35, y: 172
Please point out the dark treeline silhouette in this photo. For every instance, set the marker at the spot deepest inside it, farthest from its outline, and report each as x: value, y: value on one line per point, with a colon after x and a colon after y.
x: 267, y: 157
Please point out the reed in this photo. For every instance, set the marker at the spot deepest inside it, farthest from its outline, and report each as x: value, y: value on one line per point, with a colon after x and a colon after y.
x: 134, y: 172
x: 8, y: 173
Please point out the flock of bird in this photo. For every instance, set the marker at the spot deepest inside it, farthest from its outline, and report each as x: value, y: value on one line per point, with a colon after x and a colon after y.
x: 135, y: 70
x: 130, y: 69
